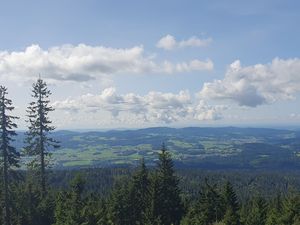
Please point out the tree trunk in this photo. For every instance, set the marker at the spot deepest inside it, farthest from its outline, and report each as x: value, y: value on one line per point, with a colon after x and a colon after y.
x: 43, y: 175
x: 42, y: 152
x: 5, y: 165
x: 6, y: 191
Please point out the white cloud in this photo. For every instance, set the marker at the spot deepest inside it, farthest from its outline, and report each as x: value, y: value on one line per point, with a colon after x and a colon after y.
x: 203, y: 111
x: 258, y: 84
x: 152, y: 107
x: 195, y: 42
x: 169, y: 42
x: 84, y: 63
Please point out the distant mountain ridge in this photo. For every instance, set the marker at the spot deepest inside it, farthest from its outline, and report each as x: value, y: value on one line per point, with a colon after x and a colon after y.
x: 204, y: 147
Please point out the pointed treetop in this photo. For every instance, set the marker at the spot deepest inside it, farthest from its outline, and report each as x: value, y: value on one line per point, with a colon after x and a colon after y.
x: 163, y: 147
x: 3, y: 90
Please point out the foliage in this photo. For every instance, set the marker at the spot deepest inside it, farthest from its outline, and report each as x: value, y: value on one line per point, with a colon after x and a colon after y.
x: 37, y: 137
x: 166, y: 203
x: 9, y: 155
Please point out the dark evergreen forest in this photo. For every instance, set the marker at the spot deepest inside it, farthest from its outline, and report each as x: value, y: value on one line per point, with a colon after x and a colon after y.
x: 156, y: 195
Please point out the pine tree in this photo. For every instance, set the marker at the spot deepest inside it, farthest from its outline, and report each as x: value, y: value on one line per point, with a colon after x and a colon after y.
x: 231, y: 216
x: 120, y: 205
x: 166, y: 206
x: 60, y: 213
x: 258, y: 212
x: 94, y: 211
x: 208, y: 209
x: 25, y: 204
x: 9, y: 155
x: 38, y: 140
x: 154, y: 213
x: 30, y: 207
x: 102, y: 213
x: 291, y: 210
x: 69, y: 205
x: 139, y: 195
x: 275, y: 209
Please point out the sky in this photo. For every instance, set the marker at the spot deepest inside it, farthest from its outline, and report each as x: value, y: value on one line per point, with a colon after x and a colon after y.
x: 136, y: 63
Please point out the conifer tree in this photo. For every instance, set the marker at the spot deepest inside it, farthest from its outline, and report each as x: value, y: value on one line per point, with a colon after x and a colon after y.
x: 291, y: 210
x: 9, y: 155
x: 208, y: 208
x: 231, y: 216
x: 69, y: 205
x: 38, y: 140
x: 257, y: 215
x: 139, y: 195
x: 275, y: 209
x: 167, y: 205
x: 120, y: 205
x: 102, y: 212
x: 155, y: 201
x: 26, y: 204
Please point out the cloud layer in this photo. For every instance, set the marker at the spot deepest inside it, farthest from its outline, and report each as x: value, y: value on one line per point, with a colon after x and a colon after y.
x: 152, y: 107
x: 258, y: 84
x: 83, y: 63
x: 169, y: 42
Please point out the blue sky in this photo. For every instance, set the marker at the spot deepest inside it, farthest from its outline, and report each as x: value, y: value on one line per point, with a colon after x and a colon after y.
x: 114, y: 64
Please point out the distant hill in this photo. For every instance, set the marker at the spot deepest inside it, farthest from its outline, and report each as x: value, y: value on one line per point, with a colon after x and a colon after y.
x: 225, y: 147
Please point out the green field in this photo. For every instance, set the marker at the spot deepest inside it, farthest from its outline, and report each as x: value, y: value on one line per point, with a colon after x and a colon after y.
x: 200, y: 147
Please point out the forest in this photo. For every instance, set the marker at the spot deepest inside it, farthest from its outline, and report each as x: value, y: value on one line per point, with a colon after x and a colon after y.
x: 155, y: 195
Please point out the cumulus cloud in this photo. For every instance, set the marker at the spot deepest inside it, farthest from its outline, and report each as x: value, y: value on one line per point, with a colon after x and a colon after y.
x: 169, y: 42
x: 258, y: 84
x: 84, y: 63
x: 152, y: 107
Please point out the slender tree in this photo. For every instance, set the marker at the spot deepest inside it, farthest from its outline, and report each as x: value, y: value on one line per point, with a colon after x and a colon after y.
x: 291, y: 210
x: 140, y: 194
x: 275, y: 210
x: 70, y: 205
x: 9, y: 155
x: 38, y: 140
x: 166, y: 206
x: 120, y: 207
x: 258, y: 212
x: 208, y: 207
x: 231, y: 206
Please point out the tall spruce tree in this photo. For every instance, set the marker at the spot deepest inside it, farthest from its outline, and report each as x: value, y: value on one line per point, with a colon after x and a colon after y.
x: 167, y: 206
x: 120, y: 205
x: 258, y: 212
x: 9, y: 155
x: 139, y: 195
x: 38, y: 140
x: 70, y: 205
x: 231, y: 216
x: 274, y: 211
x: 208, y: 208
x: 291, y: 210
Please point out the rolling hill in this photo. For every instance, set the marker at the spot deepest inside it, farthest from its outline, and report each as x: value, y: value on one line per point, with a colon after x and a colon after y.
x: 210, y: 148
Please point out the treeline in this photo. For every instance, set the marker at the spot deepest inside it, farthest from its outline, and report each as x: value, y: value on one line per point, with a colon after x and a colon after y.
x: 246, y: 183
